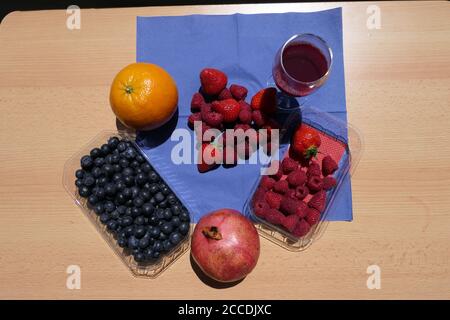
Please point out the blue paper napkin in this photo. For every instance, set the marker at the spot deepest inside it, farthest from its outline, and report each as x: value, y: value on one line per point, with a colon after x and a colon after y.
x: 243, y: 46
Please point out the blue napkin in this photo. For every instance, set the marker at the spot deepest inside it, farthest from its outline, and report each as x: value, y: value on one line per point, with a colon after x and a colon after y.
x: 243, y: 46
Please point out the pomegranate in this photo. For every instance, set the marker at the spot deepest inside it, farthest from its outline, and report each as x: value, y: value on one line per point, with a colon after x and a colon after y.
x: 225, y: 245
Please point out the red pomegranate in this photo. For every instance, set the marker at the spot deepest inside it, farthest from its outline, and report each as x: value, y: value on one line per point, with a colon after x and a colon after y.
x: 225, y: 245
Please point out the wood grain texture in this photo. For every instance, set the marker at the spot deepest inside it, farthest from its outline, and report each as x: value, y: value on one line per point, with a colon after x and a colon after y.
x: 53, y: 97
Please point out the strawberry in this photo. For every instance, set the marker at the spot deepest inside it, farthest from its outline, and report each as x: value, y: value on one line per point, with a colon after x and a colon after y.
x: 228, y: 108
x: 213, y: 81
x: 238, y: 92
x: 306, y: 142
x: 245, y: 106
x: 207, y: 157
x: 265, y: 100
x: 329, y: 166
x: 318, y: 201
x: 224, y: 94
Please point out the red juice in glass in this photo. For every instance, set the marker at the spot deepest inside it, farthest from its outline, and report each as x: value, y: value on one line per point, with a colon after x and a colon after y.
x: 302, y: 65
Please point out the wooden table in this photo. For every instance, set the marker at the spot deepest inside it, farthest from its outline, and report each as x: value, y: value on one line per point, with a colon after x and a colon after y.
x: 54, y: 88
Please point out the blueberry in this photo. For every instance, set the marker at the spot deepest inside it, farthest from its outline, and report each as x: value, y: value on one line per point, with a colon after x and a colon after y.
x: 99, y: 208
x: 96, y: 172
x: 126, y: 221
x: 100, y: 193
x: 122, y: 146
x: 134, y: 192
x: 122, y: 242
x: 133, y: 242
x: 171, y: 199
x: 124, y: 163
x: 167, y: 228
x: 157, y: 246
x: 153, y: 177
x: 79, y: 173
x: 184, y: 227
x: 184, y: 216
x: 127, y: 192
x: 165, y: 190
x: 99, y: 161
x: 163, y: 204
x: 144, y: 242
x: 159, y: 197
x: 175, y: 221
x: 175, y: 238
x: 167, y: 245
x: 154, y: 233
x: 134, y: 164
x: 113, y: 142
x: 117, y: 168
x: 145, y: 194
x: 147, y: 209
x: 152, y: 201
x: 141, y: 179
x: 146, y: 167
x: 139, y: 257
x: 139, y: 231
x: 138, y: 202
x: 162, y: 236
x: 79, y: 183
x: 109, y: 206
x: 104, y: 217
x: 135, y: 212
x: 129, y: 230
x: 148, y: 254
x: 167, y: 214
x: 120, y: 198
x: 139, y: 220
x: 121, y: 210
x: 176, y: 209
x: 159, y: 213
x: 95, y: 153
x: 117, y: 177
x: 129, y: 203
x: 92, y: 200
x: 153, y: 220
x: 86, y: 162
x: 102, y: 181
x: 105, y: 149
x: 154, y: 188
x: 114, y: 215
x: 108, y: 159
x: 115, y: 158
x: 112, y: 225
x: 110, y: 189
x: 128, y: 180
x: 156, y: 255
x: 107, y: 169
x: 84, y: 191
x: 130, y: 153
x: 120, y: 185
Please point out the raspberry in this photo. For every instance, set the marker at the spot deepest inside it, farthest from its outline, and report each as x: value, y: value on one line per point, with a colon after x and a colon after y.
x: 314, y: 184
x: 312, y: 216
x: 313, y: 170
x: 328, y: 183
x: 301, y: 229
x: 329, y: 166
x: 318, y: 201
x: 288, y: 165
x: 224, y: 94
x: 245, y: 106
x: 194, y: 117
x: 296, y: 178
x: 238, y: 92
x: 301, y: 192
x: 259, y: 195
x: 302, y: 209
x: 281, y: 186
x: 289, y: 205
x: 200, y: 135
x: 290, y: 222
x: 290, y: 193
x: 205, y: 109
x: 273, y: 199
x: 196, y: 102
x: 242, y: 126
x: 245, y: 116
x: 260, y: 208
x: 213, y: 81
x: 274, y: 216
x: 228, y: 163
x: 213, y: 119
x: 245, y: 150
x: 267, y: 183
x: 258, y: 118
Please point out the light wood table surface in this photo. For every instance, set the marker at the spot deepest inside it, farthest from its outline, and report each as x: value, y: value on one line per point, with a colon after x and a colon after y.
x: 54, y: 86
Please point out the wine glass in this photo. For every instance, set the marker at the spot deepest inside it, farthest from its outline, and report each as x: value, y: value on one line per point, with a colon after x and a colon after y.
x: 301, y: 66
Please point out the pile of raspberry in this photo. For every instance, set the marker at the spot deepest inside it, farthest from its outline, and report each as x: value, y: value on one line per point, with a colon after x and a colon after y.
x: 220, y: 107
x: 295, y: 197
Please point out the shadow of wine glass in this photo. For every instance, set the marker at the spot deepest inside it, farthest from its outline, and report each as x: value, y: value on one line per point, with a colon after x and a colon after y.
x: 211, y: 282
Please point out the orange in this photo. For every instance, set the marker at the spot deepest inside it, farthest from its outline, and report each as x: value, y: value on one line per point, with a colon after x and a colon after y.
x: 143, y: 96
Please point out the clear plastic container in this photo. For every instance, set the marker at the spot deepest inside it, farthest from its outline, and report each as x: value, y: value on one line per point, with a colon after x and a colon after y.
x: 148, y: 270
x: 333, y: 134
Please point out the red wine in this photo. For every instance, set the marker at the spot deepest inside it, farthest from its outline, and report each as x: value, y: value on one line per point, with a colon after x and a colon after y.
x: 303, y: 65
